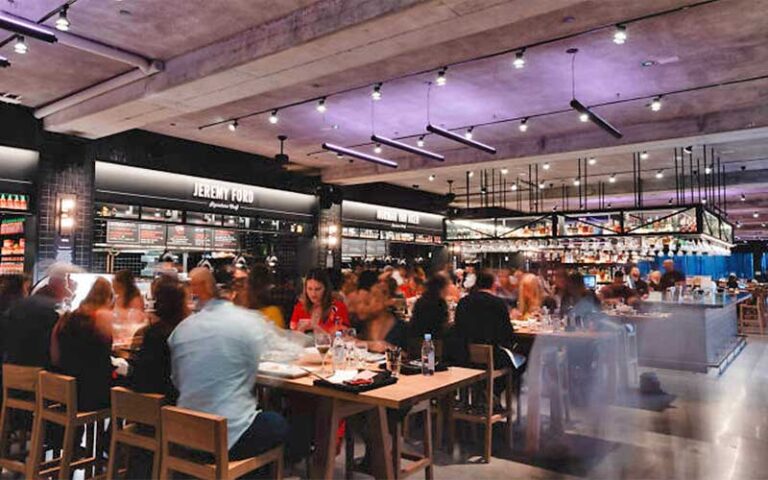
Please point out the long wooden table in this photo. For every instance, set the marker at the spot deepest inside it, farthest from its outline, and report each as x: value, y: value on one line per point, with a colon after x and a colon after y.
x: 544, y: 339
x: 335, y: 405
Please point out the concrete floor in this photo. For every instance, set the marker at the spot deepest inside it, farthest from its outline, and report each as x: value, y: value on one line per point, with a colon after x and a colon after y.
x: 706, y: 427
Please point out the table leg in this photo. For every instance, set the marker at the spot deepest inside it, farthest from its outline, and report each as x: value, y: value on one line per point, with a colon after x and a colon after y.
x: 397, y: 432
x: 381, y: 454
x: 327, y: 422
x: 533, y: 428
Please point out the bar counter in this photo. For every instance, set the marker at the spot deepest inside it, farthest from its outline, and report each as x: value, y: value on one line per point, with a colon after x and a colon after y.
x: 688, y: 334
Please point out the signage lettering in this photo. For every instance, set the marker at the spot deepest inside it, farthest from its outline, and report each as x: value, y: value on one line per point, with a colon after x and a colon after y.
x: 222, y: 193
x: 397, y: 216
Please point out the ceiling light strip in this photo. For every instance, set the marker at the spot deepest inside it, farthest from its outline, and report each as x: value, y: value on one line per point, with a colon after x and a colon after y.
x: 595, y: 118
x: 407, y: 148
x: 360, y: 155
x: 460, y: 139
x: 24, y: 27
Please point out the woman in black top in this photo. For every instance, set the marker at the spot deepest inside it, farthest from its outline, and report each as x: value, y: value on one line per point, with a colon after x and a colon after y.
x: 151, y: 366
x: 430, y: 313
x: 82, y: 344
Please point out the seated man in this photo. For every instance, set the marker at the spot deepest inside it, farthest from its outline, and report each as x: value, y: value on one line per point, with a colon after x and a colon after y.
x: 214, y: 360
x: 618, y: 291
x: 482, y: 317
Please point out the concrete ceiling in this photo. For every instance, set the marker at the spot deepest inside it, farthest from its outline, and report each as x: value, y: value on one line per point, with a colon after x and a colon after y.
x: 231, y: 59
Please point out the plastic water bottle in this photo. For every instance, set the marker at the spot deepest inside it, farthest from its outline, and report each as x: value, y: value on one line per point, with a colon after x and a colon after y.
x: 339, y: 352
x: 428, y: 356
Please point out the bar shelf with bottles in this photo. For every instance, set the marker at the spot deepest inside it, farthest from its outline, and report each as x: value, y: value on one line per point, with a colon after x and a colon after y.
x: 13, y: 232
x: 606, y: 236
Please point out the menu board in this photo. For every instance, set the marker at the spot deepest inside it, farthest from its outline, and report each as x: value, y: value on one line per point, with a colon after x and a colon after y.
x: 122, y: 232
x: 225, y: 239
x: 152, y: 234
x: 191, y: 237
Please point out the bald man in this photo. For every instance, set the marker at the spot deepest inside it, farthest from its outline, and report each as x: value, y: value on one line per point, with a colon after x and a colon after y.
x: 671, y: 276
x: 202, y: 285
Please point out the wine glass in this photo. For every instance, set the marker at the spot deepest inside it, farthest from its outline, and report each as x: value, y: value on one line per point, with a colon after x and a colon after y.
x: 323, y: 345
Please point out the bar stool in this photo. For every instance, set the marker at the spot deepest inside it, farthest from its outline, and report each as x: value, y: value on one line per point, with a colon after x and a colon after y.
x: 19, y: 398
x: 135, y: 423
x: 483, y: 355
x: 201, y: 432
x: 57, y: 404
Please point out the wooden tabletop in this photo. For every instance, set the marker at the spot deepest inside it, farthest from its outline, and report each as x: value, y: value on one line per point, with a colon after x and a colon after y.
x: 562, y: 334
x: 408, y: 390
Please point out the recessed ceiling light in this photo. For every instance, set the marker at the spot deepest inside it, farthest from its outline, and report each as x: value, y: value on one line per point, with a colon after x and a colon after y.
x: 648, y: 63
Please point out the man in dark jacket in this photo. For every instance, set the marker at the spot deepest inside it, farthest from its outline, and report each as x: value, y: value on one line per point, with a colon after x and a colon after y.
x: 29, y: 323
x: 482, y: 317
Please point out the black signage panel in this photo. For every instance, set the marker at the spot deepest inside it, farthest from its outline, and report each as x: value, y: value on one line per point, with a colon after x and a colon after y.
x: 142, y: 186
x: 152, y: 234
x: 364, y: 215
x: 225, y: 240
x: 123, y: 233
x: 190, y: 237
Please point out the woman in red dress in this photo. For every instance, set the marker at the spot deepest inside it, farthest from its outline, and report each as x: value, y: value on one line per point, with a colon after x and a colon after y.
x: 316, y: 308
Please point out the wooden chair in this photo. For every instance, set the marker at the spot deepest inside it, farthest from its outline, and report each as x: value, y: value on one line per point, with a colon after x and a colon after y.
x: 482, y: 355
x: 19, y: 398
x: 135, y: 424
x: 57, y: 404
x: 419, y: 461
x: 202, y: 432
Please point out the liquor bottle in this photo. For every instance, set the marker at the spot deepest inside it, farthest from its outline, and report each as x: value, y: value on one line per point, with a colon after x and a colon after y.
x: 428, y: 356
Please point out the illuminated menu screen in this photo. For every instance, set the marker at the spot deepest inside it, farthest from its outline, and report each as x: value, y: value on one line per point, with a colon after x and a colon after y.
x: 192, y: 237
x: 225, y: 239
x: 151, y: 234
x: 122, y: 232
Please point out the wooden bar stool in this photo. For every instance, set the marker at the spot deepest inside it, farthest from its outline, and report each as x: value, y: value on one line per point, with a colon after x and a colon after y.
x: 201, y: 432
x: 57, y: 404
x: 19, y: 398
x: 483, y: 355
x: 135, y: 423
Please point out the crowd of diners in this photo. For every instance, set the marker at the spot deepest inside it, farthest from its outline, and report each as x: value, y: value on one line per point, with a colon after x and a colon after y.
x: 203, y: 338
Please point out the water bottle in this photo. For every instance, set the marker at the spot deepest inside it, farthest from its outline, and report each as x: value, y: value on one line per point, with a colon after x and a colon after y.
x: 339, y: 352
x: 427, y: 356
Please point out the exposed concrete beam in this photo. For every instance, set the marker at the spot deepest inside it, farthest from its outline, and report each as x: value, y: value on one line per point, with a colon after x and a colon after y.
x: 327, y: 37
x: 744, y: 124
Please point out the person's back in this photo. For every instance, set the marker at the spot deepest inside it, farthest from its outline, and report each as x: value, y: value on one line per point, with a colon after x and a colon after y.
x: 215, y: 355
x: 430, y: 315
x: 28, y: 327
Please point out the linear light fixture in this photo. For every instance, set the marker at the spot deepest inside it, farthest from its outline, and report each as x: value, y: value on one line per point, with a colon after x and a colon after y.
x: 407, y: 148
x: 22, y: 27
x: 4, y: 62
x: 460, y: 138
x: 360, y: 155
x: 595, y: 118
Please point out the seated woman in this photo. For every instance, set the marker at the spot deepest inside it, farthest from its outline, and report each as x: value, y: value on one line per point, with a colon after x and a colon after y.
x: 430, y: 313
x: 530, y: 298
x: 81, y: 345
x: 381, y: 328
x: 129, y: 308
x: 260, y: 285
x: 317, y: 308
x: 151, y: 366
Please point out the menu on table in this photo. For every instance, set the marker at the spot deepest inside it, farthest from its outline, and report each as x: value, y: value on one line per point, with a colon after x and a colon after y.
x: 152, y: 234
x: 225, y: 239
x: 193, y: 237
x: 122, y: 232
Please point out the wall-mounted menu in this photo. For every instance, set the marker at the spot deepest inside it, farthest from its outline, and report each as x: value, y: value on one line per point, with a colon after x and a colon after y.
x: 191, y: 237
x: 225, y: 239
x: 152, y: 235
x: 122, y: 232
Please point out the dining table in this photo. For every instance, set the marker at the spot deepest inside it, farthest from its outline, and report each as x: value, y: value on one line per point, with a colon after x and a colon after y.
x: 335, y: 405
x: 547, y: 339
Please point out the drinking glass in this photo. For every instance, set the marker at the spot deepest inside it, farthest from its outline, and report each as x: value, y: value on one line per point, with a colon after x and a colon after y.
x: 361, y: 352
x: 394, y: 361
x: 350, y: 336
x: 323, y: 345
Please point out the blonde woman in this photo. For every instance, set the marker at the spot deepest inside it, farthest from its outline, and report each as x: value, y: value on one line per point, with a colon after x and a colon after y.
x: 530, y: 298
